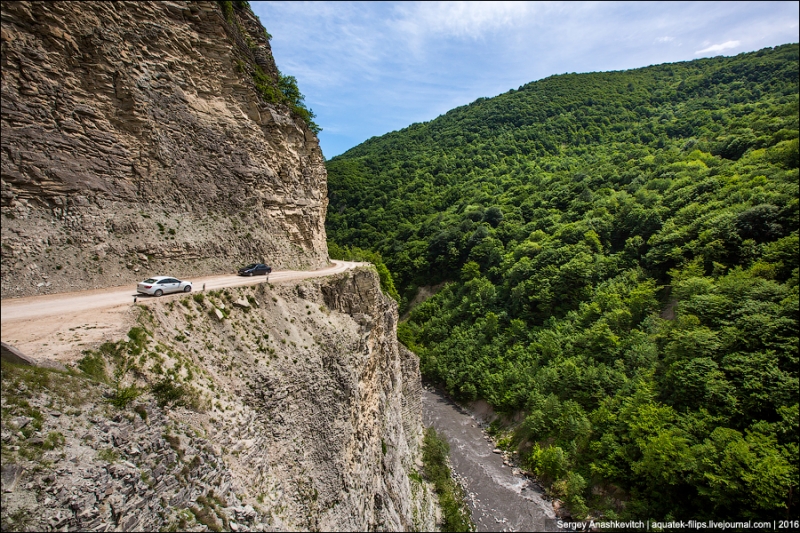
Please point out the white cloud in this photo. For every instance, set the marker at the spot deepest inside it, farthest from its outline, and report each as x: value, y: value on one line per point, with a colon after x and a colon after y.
x: 372, y: 67
x: 460, y: 19
x: 719, y: 47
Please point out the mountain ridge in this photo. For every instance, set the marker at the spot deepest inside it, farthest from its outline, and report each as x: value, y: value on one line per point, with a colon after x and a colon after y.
x: 620, y: 257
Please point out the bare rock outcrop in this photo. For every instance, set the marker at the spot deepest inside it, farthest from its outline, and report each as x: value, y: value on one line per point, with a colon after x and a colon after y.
x: 297, y: 412
x: 135, y: 141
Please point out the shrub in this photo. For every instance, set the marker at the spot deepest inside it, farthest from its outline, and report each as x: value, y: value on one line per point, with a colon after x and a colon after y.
x: 227, y: 10
x: 167, y: 393
x: 141, y: 410
x: 108, y: 455
x: 549, y: 464
x: 121, y: 397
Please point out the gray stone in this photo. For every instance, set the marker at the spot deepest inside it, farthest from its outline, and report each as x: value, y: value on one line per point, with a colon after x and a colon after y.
x: 19, y: 422
x: 12, y: 355
x: 11, y: 474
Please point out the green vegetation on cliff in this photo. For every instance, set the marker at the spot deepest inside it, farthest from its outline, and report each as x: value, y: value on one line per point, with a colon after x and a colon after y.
x: 435, y: 458
x: 276, y: 90
x: 622, y: 252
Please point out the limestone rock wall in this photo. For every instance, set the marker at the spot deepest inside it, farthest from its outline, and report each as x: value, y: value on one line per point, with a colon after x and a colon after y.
x: 306, y: 416
x: 135, y: 143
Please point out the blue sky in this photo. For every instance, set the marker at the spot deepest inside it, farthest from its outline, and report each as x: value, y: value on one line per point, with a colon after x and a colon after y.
x: 368, y: 68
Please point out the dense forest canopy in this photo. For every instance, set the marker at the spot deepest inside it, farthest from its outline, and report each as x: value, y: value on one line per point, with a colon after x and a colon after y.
x: 621, y: 258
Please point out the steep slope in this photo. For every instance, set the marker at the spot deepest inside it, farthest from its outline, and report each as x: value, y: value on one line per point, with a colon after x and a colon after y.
x: 418, y: 194
x: 620, y: 252
x: 295, y: 410
x: 141, y: 137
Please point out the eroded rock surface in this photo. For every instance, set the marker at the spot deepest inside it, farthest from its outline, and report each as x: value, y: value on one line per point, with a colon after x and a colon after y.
x: 134, y: 142
x: 301, y: 413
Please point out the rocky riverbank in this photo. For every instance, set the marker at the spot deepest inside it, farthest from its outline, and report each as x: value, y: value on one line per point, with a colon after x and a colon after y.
x: 500, y: 496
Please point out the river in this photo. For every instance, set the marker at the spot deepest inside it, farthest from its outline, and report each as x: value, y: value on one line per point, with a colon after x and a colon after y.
x: 499, y: 498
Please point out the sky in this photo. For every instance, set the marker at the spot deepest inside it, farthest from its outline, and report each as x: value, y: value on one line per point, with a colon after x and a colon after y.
x: 369, y: 68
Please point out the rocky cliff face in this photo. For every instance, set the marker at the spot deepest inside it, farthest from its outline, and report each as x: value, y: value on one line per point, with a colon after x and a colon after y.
x: 135, y: 142
x: 270, y: 408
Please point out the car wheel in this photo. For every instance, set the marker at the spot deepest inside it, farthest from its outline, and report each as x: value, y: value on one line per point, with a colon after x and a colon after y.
x: 159, y: 292
x: 250, y: 274
x: 188, y: 288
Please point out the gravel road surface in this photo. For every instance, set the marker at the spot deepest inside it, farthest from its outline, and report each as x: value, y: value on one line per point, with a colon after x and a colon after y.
x: 61, y: 326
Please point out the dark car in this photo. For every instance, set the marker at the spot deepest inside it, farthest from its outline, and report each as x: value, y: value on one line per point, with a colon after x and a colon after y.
x: 256, y: 269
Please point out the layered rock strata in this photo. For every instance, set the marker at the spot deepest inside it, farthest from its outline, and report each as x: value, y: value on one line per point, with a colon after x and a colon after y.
x: 301, y: 414
x: 135, y: 142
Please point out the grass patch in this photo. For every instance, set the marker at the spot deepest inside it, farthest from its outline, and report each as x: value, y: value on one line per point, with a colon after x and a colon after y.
x: 168, y: 394
x: 54, y: 440
x: 20, y: 382
x: 18, y: 520
x: 108, y: 454
x: 94, y: 366
x: 175, y: 443
x: 141, y: 410
x: 205, y: 514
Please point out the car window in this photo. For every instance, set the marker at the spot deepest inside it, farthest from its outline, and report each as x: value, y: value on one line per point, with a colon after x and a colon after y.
x: 163, y: 281
x: 251, y: 266
x: 149, y: 280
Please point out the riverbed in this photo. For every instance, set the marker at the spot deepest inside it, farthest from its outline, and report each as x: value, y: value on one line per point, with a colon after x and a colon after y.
x: 499, y: 497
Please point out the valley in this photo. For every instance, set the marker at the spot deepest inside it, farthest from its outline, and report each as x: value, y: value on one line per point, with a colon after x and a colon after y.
x: 605, y: 263
x: 500, y: 498
x: 617, y: 256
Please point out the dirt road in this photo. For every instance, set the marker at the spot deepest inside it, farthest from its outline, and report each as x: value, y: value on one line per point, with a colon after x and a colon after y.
x: 61, y: 326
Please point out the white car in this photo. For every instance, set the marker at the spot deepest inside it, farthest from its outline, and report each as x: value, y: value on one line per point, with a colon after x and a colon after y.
x: 158, y: 285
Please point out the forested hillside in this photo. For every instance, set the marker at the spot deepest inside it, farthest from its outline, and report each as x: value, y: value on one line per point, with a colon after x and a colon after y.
x: 622, y: 256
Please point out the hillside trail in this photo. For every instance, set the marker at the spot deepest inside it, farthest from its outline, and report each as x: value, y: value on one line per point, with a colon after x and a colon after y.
x: 61, y: 326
